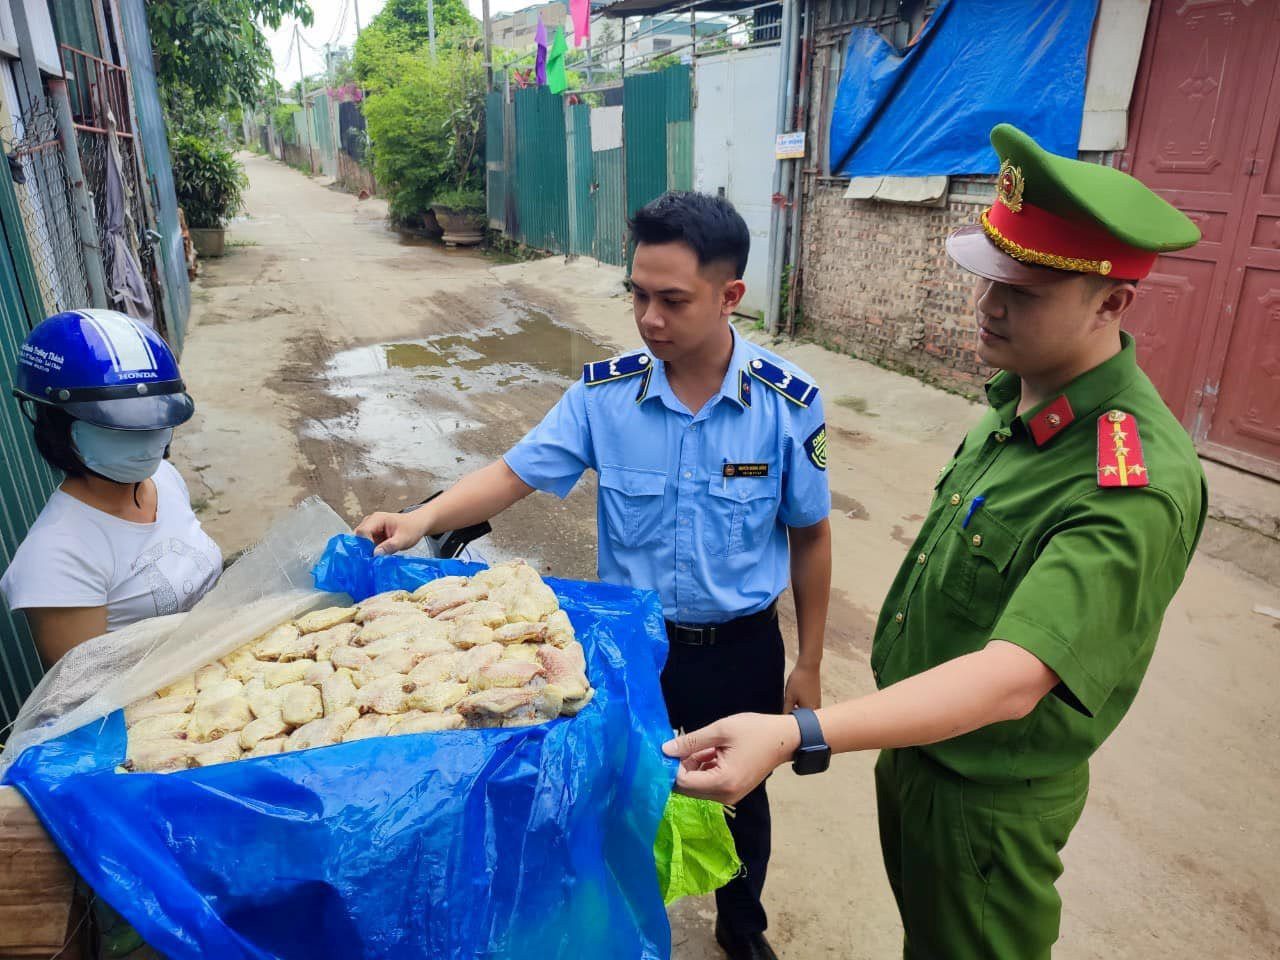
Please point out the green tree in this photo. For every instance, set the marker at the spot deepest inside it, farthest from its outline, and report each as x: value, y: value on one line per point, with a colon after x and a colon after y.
x: 407, y: 22
x: 400, y: 30
x: 210, y: 51
x: 427, y: 129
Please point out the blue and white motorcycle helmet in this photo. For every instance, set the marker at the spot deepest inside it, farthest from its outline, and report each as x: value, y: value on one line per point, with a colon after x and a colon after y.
x: 104, y: 368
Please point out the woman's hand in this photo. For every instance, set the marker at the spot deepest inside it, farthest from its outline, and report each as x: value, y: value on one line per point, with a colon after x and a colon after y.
x: 728, y: 759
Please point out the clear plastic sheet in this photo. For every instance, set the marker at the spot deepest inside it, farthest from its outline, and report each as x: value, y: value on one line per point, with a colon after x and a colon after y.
x: 268, y: 584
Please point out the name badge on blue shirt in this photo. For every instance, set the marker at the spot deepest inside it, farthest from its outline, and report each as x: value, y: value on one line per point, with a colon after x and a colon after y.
x: 746, y: 470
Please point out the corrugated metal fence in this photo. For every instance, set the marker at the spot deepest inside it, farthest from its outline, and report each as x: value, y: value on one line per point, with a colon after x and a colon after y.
x: 25, y: 482
x: 559, y: 186
x: 159, y: 169
x: 315, y: 138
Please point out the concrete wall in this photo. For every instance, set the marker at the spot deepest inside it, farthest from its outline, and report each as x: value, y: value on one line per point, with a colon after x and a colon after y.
x: 878, y: 284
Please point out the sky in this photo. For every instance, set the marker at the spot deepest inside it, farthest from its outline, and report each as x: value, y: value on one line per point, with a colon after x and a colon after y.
x: 335, y: 23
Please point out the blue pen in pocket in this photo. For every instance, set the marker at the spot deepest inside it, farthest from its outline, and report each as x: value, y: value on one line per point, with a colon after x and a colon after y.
x: 978, y: 501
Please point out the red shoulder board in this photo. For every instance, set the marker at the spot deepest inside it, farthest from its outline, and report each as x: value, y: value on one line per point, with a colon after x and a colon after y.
x: 1120, y: 462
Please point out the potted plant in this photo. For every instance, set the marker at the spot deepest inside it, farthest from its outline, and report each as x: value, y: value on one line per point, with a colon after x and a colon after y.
x: 462, y: 215
x: 209, y: 183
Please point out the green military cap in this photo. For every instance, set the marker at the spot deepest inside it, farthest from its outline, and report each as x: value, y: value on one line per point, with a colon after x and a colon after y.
x: 1055, y: 217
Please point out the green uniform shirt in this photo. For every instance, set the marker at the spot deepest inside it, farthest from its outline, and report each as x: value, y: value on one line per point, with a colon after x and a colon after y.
x: 1076, y: 573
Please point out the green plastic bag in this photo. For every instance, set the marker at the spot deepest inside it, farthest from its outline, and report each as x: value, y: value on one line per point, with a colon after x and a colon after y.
x: 694, y: 851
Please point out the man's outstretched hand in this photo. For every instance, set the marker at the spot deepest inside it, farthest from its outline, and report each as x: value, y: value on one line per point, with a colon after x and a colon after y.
x: 391, y: 532
x: 728, y: 759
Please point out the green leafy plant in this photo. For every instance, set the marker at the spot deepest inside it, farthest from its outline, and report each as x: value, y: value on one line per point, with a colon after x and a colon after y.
x: 427, y: 129
x: 460, y: 201
x: 282, y: 119
x: 215, y: 49
x: 401, y: 29
x: 209, y: 180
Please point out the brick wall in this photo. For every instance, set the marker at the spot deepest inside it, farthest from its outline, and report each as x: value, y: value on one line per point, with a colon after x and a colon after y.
x: 878, y: 284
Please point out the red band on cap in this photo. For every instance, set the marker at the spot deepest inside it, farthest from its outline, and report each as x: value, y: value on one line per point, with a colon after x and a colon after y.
x: 1034, y: 235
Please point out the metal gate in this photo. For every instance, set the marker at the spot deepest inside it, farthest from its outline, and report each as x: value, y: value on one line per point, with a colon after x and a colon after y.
x: 1204, y: 134
x: 733, y: 124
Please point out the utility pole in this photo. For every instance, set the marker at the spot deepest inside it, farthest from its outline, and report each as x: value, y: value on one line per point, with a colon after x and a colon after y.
x: 431, y: 27
x: 488, y: 46
x: 302, y: 90
x: 356, y: 4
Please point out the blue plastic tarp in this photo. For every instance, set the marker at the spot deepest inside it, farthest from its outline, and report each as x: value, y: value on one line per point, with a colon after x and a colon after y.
x: 927, y: 111
x: 534, y: 841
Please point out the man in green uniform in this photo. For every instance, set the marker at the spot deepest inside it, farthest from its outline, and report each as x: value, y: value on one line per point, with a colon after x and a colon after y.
x: 1022, y: 621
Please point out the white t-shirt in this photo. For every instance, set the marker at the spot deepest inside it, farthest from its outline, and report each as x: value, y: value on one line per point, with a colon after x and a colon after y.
x: 77, y: 556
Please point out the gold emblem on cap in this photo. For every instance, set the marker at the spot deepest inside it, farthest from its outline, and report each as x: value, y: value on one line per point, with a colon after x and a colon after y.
x: 1009, y: 186
x: 1104, y: 267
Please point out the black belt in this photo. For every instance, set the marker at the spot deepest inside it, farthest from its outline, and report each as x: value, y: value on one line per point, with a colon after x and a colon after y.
x: 706, y: 635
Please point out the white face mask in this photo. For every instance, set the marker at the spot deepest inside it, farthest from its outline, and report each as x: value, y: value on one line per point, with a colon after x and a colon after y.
x: 126, y: 456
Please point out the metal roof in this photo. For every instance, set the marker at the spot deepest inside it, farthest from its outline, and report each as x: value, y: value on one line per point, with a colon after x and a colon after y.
x: 644, y: 8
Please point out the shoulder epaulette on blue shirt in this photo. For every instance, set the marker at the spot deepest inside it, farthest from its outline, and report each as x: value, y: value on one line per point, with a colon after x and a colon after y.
x: 615, y: 368
x: 798, y: 391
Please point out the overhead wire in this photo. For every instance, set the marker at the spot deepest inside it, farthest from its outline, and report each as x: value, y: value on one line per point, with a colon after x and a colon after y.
x: 341, y: 26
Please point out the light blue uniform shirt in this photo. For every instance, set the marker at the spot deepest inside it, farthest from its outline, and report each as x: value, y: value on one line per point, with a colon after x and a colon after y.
x: 694, y: 507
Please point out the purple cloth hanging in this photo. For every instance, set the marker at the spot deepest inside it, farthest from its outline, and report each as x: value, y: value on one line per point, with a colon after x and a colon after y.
x: 540, y: 38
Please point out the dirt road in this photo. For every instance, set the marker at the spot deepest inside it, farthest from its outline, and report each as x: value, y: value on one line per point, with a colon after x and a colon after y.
x: 329, y: 356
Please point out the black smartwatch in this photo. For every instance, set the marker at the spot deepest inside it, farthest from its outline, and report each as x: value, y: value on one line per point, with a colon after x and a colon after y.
x: 813, y: 754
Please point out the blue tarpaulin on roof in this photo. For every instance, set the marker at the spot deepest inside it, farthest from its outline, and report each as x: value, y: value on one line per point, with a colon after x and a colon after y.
x: 926, y: 111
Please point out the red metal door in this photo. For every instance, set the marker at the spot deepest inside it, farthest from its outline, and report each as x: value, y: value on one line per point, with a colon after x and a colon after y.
x: 1200, y: 108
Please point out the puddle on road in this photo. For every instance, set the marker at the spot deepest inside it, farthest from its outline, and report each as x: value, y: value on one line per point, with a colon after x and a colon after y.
x: 851, y: 508
x: 530, y: 348
x: 405, y: 396
x: 411, y: 238
x: 537, y: 342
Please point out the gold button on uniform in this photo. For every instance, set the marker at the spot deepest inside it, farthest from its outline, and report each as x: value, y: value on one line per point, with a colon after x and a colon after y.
x: 1053, y: 420
x: 899, y: 617
x: 977, y: 539
x: 955, y: 499
x: 1001, y: 438
x: 922, y: 558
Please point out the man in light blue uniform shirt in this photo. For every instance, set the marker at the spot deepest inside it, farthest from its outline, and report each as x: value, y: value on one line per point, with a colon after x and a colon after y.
x: 694, y: 506
x: 711, y: 457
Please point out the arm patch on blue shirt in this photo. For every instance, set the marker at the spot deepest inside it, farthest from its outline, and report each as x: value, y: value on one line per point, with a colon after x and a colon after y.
x: 798, y: 391
x: 616, y: 368
x: 816, y: 447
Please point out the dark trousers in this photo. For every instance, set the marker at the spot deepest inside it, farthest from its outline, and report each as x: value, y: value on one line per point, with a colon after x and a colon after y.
x: 743, y: 672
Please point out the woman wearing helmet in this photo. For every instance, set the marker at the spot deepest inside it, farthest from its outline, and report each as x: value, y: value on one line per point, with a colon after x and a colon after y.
x: 118, y: 541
